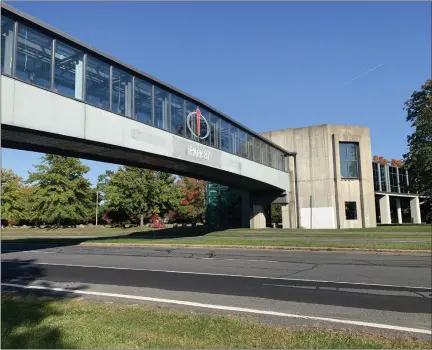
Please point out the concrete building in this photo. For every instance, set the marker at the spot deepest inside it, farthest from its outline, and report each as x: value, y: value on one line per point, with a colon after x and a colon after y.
x: 338, y: 184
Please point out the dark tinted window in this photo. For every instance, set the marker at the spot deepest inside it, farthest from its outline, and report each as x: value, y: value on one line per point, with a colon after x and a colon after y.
x: 34, y: 53
x: 349, y: 160
x: 143, y: 101
x: 97, y: 82
x: 7, y: 31
x: 350, y: 210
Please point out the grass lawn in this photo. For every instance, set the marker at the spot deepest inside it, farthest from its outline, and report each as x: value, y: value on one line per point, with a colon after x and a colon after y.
x: 29, y: 322
x: 259, y: 243
x: 72, y: 231
x: 227, y: 243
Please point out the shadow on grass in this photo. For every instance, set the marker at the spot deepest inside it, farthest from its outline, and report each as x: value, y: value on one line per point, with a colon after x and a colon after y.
x: 23, y: 244
x: 23, y: 311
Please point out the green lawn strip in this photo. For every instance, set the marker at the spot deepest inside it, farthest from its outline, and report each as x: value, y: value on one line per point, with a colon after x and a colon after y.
x: 238, y: 236
x: 396, y: 228
x: 45, y: 323
x: 384, y: 245
x: 87, y: 231
x: 322, y: 235
x: 226, y: 242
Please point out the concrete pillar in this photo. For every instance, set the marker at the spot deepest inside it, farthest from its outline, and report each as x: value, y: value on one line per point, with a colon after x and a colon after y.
x: 384, y: 204
x: 398, y: 210
x: 415, y: 210
x: 286, y: 216
x: 79, y: 76
x: 258, y: 219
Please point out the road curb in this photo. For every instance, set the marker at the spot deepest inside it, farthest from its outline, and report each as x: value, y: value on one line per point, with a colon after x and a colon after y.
x: 320, y: 249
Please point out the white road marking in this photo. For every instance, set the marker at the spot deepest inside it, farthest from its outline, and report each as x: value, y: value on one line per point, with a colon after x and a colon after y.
x: 429, y: 289
x: 28, y: 251
x: 253, y: 260
x: 225, y: 308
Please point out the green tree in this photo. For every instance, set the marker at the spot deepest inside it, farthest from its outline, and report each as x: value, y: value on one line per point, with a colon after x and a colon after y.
x: 418, y: 159
x: 191, y: 208
x: 13, y: 197
x: 138, y: 194
x: 276, y: 213
x: 61, y: 193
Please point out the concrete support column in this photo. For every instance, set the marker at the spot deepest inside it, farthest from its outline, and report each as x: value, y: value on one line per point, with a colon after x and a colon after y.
x: 415, y: 210
x: 398, y: 210
x: 286, y: 222
x: 258, y: 219
x: 384, y: 204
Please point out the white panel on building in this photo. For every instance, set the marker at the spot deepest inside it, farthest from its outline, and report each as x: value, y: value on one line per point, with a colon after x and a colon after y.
x: 321, y: 217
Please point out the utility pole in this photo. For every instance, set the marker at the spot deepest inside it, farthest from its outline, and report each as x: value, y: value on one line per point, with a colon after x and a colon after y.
x: 97, y: 206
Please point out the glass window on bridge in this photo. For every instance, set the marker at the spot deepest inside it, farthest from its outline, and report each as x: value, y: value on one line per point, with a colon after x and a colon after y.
x: 97, y: 83
x: 215, y: 132
x: 121, y: 92
x: 161, y: 108
x: 68, y: 74
x: 205, y: 128
x: 257, y: 150
x: 242, y: 144
x: 264, y: 153
x: 33, y: 58
x: 143, y: 101
x: 234, y: 139
x: 250, y: 146
x: 225, y: 142
x: 7, y: 38
x: 177, y: 115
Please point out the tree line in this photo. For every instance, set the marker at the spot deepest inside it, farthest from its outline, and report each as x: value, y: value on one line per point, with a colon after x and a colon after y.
x: 58, y: 193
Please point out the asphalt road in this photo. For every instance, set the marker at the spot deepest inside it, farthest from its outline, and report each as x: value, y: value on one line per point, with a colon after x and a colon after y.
x: 377, y: 288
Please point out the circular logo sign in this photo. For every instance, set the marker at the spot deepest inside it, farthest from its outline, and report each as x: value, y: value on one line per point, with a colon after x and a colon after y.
x: 194, y: 120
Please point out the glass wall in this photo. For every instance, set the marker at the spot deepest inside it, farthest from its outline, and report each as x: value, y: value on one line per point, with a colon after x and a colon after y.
x: 242, y: 144
x: 161, y: 103
x: 376, y: 176
x: 178, y: 115
x: 225, y: 142
x: 393, y: 179
x: 7, y: 38
x: 234, y: 139
x: 348, y: 152
x: 383, y: 175
x: 143, y: 101
x: 403, y: 180
x: 57, y: 65
x: 33, y: 57
x: 257, y: 150
x: 69, y: 68
x: 121, y: 92
x: 250, y: 146
x: 97, y: 83
x: 215, y: 130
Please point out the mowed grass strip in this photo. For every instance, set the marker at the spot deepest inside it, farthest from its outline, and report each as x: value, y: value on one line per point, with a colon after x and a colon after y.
x: 263, y: 243
x: 227, y: 243
x: 30, y: 322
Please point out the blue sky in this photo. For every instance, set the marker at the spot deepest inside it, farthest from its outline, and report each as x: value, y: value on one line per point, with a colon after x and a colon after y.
x: 269, y: 65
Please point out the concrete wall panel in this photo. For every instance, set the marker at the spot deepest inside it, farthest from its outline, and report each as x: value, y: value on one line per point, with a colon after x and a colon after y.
x: 38, y: 109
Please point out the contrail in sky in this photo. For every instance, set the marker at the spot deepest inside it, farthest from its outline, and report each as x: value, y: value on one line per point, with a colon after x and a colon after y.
x: 368, y: 71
